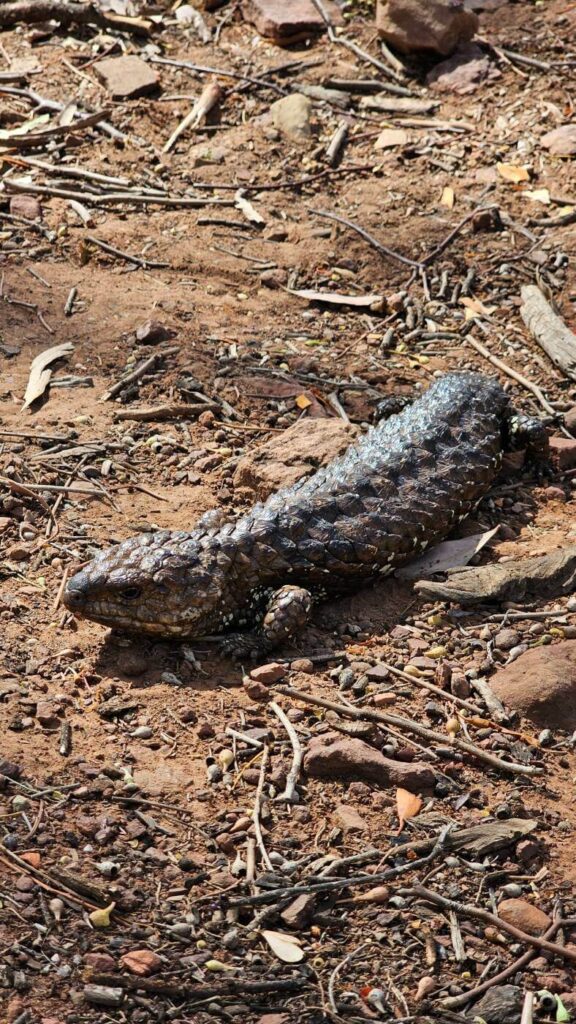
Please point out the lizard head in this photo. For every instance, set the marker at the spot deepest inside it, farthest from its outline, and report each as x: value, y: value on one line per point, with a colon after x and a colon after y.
x: 165, y: 583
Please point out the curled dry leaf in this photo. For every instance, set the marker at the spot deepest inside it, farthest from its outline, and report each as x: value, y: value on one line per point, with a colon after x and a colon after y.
x: 40, y: 372
x: 513, y: 173
x: 285, y: 947
x: 408, y: 805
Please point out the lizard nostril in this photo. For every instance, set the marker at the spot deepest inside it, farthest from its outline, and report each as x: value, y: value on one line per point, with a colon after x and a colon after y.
x: 74, y: 596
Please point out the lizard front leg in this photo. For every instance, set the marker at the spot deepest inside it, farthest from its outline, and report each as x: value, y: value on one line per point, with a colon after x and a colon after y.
x: 287, y: 612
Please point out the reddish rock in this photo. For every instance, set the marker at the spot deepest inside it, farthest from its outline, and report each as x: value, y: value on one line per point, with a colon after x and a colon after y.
x: 530, y: 851
x: 331, y: 756
x: 256, y: 691
x: 47, y: 715
x: 377, y: 673
x: 560, y: 141
x: 141, y: 962
x: 299, y: 912
x: 349, y: 819
x: 126, y: 78
x: 152, y: 331
x: 524, y: 915
x: 25, y: 206
x: 564, y: 451
x: 274, y: 1018
x: 384, y: 700
x: 298, y: 452
x: 438, y: 26
x: 463, y: 72
x: 268, y: 674
x: 555, y: 494
x: 541, y: 684
x: 100, y: 962
x: 286, y: 23
x: 302, y: 665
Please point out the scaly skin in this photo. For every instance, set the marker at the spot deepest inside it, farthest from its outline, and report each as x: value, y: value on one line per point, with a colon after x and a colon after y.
x: 402, y: 487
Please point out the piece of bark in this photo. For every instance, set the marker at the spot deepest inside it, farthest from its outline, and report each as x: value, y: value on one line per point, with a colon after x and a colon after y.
x: 40, y: 372
x: 551, y: 575
x: 551, y: 333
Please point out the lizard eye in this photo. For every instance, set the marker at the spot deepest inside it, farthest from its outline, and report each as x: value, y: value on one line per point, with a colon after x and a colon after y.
x: 130, y: 593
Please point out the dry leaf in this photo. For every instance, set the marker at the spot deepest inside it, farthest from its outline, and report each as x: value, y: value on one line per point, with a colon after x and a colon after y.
x: 40, y: 374
x: 285, y: 947
x: 209, y: 98
x: 408, y: 805
x: 475, y: 308
x: 538, y: 195
x: 513, y: 173
x: 447, y: 197
x: 302, y: 402
x: 336, y: 299
x: 391, y: 137
x: 450, y: 554
x: 101, y: 918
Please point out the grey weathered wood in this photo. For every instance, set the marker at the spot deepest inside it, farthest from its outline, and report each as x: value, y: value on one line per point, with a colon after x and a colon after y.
x: 551, y: 333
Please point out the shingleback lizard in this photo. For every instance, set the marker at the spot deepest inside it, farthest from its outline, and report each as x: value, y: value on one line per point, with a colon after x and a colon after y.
x: 402, y: 487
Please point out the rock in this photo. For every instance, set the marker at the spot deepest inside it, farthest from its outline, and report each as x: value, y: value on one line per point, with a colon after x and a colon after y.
x: 274, y: 1018
x: 268, y: 674
x: 377, y: 673
x: 555, y: 494
x: 564, y: 451
x: 26, y: 206
x: 385, y: 699
x: 331, y: 756
x: 47, y: 715
x: 349, y: 818
x: 291, y: 116
x: 104, y: 995
x: 256, y: 691
x: 100, y: 962
x: 506, y: 639
x: 524, y: 915
x: 529, y: 851
x: 433, y: 25
x: 152, y: 331
x: 463, y: 72
x: 560, y: 141
x: 141, y: 962
x: 299, y: 912
x: 165, y: 778
x: 286, y: 23
x: 501, y: 1005
x: 541, y: 684
x: 126, y: 78
x: 302, y: 665
x: 298, y: 452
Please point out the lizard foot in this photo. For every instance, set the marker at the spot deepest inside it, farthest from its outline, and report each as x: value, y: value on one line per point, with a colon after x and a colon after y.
x: 287, y: 612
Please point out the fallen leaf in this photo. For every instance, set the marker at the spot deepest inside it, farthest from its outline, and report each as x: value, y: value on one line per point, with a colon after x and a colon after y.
x: 408, y: 805
x: 336, y: 299
x: 391, y: 137
x: 451, y: 554
x: 285, y: 947
x: 475, y: 308
x: 538, y: 195
x: 302, y: 402
x: 447, y: 197
x: 23, y: 129
x: 141, y: 962
x: 249, y: 211
x: 513, y: 173
x: 40, y: 373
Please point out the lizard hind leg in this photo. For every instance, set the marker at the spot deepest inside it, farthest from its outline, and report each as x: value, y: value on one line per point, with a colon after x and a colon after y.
x: 286, y: 614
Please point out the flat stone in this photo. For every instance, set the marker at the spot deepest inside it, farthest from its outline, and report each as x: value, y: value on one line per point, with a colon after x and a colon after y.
x: 298, y: 452
x: 377, y: 673
x: 463, y: 72
x: 291, y: 116
x: 286, y: 23
x: 152, y: 332
x: 299, y: 912
x: 256, y: 691
x: 564, y: 451
x: 331, y: 756
x: 541, y: 684
x: 100, y: 962
x: 26, y: 206
x: 560, y: 141
x: 141, y: 962
x: 439, y: 26
x: 126, y: 78
x: 349, y: 818
x: 166, y: 778
x: 268, y: 674
x: 524, y: 915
